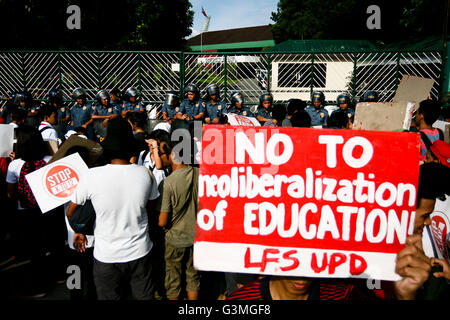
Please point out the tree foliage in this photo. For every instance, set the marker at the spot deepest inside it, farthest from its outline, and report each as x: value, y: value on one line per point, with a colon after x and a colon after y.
x: 105, y: 25
x: 347, y: 19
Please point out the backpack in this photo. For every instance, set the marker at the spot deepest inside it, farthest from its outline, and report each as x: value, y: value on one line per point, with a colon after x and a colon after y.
x: 83, y: 219
x: 167, y: 171
x: 25, y: 194
x: 45, y: 128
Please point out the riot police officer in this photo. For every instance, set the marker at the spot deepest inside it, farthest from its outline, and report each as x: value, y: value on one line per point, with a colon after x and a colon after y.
x: 171, y: 106
x: 102, y: 112
x: 343, y: 101
x: 9, y: 107
x: 370, y: 96
x: 81, y: 113
x: 55, y: 99
x: 132, y: 102
x: 193, y: 107
x: 317, y: 112
x: 24, y: 100
x: 237, y: 105
x: 265, y: 108
x: 215, y: 108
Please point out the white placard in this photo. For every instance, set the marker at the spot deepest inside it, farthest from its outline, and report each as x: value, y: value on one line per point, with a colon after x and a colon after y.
x: 54, y: 184
x: 438, y: 245
x: 237, y: 120
x: 6, y: 139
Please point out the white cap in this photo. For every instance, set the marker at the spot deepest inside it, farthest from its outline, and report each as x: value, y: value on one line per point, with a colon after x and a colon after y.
x: 71, y: 132
x: 163, y: 126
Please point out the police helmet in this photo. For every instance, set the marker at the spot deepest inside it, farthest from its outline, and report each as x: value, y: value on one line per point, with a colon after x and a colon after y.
x: 23, y: 96
x: 342, y: 99
x: 191, y: 87
x: 55, y: 96
x: 213, y: 89
x: 318, y: 96
x: 12, y: 95
x: 370, y: 96
x: 266, y: 96
x: 172, y: 98
x: 130, y: 92
x: 78, y: 93
x: 236, y: 97
x: 102, y: 94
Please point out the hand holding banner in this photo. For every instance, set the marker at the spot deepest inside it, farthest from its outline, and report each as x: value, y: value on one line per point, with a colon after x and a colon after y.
x: 340, y: 203
x: 54, y: 184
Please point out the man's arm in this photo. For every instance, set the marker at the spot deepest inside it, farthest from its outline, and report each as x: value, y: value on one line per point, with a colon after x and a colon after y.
x: 262, y: 119
x: 199, y: 116
x: 11, y: 190
x: 163, y: 219
x: 414, y: 266
x: 71, y: 209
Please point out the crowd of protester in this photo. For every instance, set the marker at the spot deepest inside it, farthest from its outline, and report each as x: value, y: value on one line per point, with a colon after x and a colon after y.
x: 141, y: 197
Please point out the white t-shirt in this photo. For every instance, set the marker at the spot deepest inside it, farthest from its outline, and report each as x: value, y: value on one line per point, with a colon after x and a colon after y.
x: 48, y: 134
x: 119, y: 195
x: 13, y: 173
x: 148, y: 163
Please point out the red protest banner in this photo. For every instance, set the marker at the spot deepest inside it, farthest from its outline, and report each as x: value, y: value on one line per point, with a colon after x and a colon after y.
x: 305, y: 202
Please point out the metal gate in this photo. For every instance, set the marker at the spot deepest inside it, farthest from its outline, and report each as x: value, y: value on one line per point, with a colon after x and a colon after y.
x: 285, y: 75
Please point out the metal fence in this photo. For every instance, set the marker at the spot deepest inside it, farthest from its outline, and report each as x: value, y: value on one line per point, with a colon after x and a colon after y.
x: 285, y: 75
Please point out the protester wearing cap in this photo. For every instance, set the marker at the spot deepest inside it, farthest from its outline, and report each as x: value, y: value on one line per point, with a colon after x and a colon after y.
x: 163, y: 126
x: 439, y: 152
x: 119, y: 192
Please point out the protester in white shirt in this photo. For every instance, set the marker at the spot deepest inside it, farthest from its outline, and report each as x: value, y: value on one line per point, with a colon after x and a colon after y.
x: 48, y: 114
x: 33, y: 232
x: 146, y: 157
x: 119, y: 192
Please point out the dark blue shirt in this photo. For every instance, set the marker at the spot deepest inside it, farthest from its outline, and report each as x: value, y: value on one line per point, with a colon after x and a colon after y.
x: 80, y: 115
x: 244, y: 111
x: 170, y: 110
x: 215, y: 110
x: 318, y: 117
x: 105, y: 111
x: 62, y: 112
x: 192, y: 109
x: 264, y: 113
x: 133, y: 107
x: 33, y: 120
x: 349, y: 112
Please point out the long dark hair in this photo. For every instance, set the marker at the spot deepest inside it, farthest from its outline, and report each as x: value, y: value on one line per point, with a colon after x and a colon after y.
x: 30, y: 145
